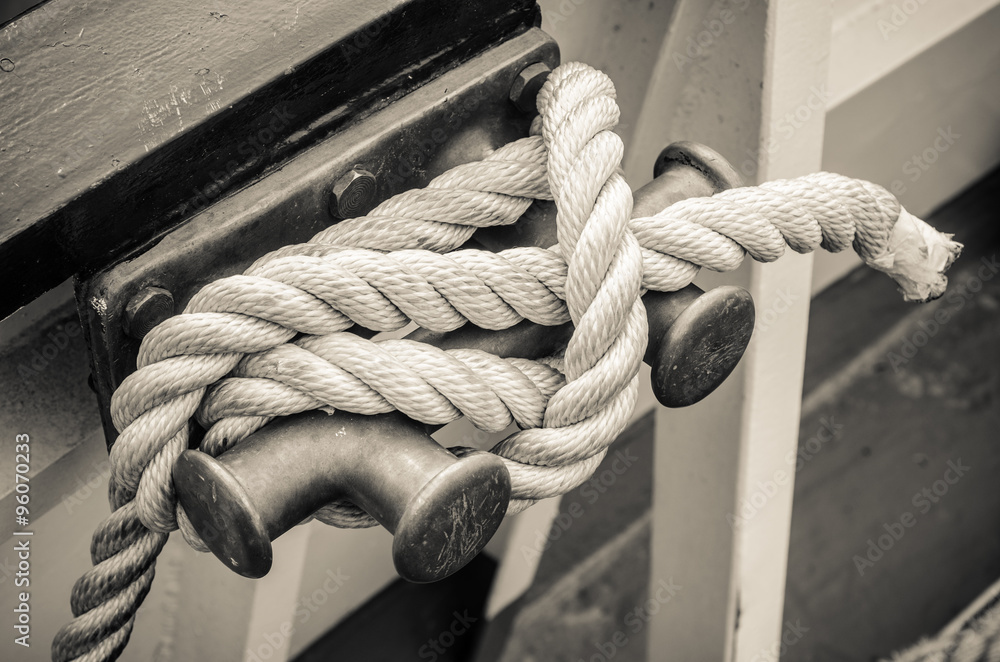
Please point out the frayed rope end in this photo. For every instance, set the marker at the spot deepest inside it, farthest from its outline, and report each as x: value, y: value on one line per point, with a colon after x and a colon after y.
x: 917, y: 257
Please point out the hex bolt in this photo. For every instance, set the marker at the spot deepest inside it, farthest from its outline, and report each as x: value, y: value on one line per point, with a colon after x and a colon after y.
x: 145, y: 310
x: 353, y: 194
x: 524, y: 89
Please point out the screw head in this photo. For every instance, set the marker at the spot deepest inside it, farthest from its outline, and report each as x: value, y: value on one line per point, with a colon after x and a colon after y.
x: 353, y: 194
x: 145, y: 310
x: 524, y: 89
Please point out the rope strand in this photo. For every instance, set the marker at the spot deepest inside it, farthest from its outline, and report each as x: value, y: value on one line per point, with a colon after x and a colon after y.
x: 232, y: 359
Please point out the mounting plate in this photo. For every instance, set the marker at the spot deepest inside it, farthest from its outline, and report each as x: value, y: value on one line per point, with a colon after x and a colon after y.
x: 453, y: 119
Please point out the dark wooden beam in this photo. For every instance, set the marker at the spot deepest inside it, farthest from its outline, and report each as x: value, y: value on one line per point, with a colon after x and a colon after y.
x: 122, y: 118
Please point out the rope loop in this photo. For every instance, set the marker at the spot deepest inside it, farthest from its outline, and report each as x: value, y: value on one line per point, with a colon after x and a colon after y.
x: 276, y: 339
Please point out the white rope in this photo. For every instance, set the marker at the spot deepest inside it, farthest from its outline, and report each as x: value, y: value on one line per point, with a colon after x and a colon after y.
x: 237, y: 355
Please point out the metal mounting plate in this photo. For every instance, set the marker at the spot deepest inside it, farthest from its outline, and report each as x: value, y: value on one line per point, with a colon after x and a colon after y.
x: 451, y: 120
x: 105, y: 136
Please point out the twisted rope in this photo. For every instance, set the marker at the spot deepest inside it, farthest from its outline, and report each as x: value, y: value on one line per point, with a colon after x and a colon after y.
x: 977, y: 640
x: 234, y: 361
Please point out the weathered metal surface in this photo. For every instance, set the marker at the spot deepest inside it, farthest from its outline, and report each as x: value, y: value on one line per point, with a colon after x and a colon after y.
x: 441, y: 509
x: 124, y: 118
x: 702, y: 346
x: 451, y: 120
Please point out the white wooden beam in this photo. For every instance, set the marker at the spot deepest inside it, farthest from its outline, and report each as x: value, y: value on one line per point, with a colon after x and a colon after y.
x: 747, y: 78
x: 872, y: 38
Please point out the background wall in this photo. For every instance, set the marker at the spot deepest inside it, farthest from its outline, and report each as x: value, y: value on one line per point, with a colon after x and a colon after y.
x: 938, y: 74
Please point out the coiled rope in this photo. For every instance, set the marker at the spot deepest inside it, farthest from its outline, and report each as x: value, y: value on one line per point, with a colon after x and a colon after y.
x: 272, y: 341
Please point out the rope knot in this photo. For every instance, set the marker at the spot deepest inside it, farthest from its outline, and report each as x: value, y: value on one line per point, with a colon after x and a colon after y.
x: 273, y: 341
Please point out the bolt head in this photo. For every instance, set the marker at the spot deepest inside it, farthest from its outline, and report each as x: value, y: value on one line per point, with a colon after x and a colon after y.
x: 145, y: 310
x: 353, y: 194
x: 524, y: 89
